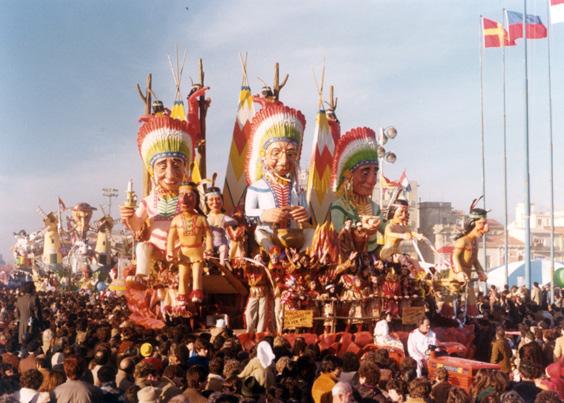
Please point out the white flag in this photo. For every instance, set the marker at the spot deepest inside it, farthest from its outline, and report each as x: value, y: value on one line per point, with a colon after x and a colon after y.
x: 556, y: 11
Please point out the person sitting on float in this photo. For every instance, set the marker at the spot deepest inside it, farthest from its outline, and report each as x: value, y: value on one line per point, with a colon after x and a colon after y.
x: 355, y: 171
x: 272, y: 200
x: 382, y: 332
x: 421, y: 342
x: 167, y: 148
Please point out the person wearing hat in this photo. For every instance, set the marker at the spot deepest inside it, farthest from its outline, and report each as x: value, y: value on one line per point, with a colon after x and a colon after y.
x: 166, y: 146
x: 272, y: 200
x: 465, y: 254
x: 355, y: 171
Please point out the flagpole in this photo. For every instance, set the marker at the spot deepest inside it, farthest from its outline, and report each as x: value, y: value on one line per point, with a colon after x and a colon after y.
x: 551, y: 162
x: 482, y: 130
x: 527, y: 176
x: 506, y: 223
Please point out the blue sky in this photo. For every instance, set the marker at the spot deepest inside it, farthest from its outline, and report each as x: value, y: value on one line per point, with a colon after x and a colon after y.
x: 69, y: 109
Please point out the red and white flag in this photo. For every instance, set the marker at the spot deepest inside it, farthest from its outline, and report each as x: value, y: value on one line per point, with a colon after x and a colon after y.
x: 556, y: 11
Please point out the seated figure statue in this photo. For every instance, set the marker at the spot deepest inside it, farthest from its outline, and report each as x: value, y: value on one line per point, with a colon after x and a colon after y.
x: 167, y: 149
x: 355, y: 171
x: 273, y: 200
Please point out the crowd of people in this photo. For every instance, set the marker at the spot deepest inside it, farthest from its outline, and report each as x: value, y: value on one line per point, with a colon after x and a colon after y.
x: 81, y: 347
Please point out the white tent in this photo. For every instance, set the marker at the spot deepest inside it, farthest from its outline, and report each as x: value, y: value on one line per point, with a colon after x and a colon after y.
x: 540, y: 272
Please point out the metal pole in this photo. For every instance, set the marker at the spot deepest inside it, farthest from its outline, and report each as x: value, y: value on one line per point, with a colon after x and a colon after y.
x: 551, y: 166
x: 527, y: 178
x: 380, y: 141
x: 506, y: 218
x: 482, y: 133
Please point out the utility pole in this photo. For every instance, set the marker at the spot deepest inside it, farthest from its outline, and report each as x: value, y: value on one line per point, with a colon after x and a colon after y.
x: 110, y: 193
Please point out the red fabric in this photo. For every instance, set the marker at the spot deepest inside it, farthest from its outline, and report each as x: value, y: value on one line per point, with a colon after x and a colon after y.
x: 395, y: 354
x: 310, y: 338
x: 346, y: 339
x: 247, y: 341
x: 353, y: 348
x: 363, y: 338
x: 138, y: 302
x: 327, y: 338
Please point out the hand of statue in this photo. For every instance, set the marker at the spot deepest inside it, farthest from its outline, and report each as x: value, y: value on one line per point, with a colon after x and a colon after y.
x: 170, y: 257
x: 299, y: 214
x: 274, y: 215
x: 370, y: 222
x: 461, y: 277
x: 126, y: 213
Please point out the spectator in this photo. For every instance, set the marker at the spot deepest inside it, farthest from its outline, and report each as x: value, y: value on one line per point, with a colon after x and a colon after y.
x: 440, y: 390
x: 74, y: 390
x: 501, y: 351
x: 559, y: 344
x: 261, y: 367
x: 106, y: 379
x: 368, y: 379
x: 457, y: 395
x: 419, y: 391
x: 124, y: 376
x: 202, y: 348
x: 29, y: 392
x: 536, y: 294
x: 196, y: 380
x: 331, y: 367
x: 548, y: 397
x: 526, y: 388
x: 342, y: 393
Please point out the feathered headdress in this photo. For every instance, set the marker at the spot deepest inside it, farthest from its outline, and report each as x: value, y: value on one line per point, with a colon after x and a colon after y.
x: 161, y: 137
x: 275, y: 123
x: 355, y: 148
x: 475, y: 213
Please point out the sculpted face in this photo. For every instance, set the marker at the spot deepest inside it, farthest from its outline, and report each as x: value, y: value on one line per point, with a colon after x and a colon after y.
x: 187, y: 199
x: 364, y: 179
x: 281, y: 157
x: 214, y: 203
x: 169, y: 173
x: 402, y: 214
x: 481, y: 226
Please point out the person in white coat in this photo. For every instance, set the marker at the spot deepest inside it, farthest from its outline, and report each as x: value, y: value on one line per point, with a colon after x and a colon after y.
x: 382, y: 333
x: 419, y: 341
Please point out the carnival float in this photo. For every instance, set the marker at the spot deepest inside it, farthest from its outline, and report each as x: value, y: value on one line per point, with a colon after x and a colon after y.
x: 273, y: 250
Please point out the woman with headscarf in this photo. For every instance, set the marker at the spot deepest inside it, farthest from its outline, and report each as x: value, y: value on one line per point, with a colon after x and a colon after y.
x: 260, y: 367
